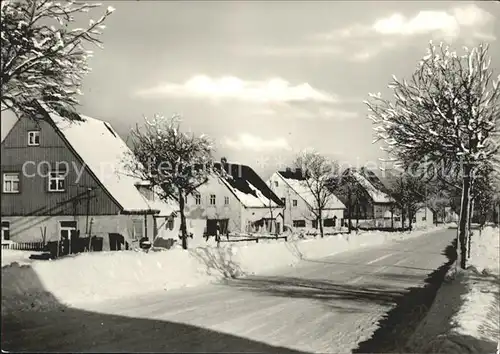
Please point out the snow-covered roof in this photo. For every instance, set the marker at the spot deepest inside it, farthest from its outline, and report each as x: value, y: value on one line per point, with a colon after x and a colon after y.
x: 248, y: 187
x: 300, y: 186
x: 377, y: 195
x: 104, y: 153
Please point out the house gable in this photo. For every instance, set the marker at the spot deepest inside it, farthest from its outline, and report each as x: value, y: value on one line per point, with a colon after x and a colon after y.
x: 52, y: 151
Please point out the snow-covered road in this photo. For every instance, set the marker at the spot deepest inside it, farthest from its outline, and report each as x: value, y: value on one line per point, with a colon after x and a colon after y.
x: 327, y: 305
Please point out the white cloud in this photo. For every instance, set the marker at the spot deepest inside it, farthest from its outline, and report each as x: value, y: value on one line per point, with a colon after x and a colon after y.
x: 230, y: 87
x: 252, y: 142
x: 303, y: 111
x: 450, y: 24
x: 468, y: 21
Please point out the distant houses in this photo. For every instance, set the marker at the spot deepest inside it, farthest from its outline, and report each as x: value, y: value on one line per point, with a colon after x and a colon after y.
x: 66, y: 180
x: 236, y: 200
x: 300, y: 205
x: 370, y: 199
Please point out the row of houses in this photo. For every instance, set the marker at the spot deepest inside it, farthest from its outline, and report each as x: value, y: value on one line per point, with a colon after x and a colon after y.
x: 62, y: 178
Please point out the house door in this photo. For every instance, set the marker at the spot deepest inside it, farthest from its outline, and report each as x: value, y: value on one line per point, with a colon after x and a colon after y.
x: 211, y: 227
x: 68, y: 237
x: 5, y: 231
x: 223, y: 226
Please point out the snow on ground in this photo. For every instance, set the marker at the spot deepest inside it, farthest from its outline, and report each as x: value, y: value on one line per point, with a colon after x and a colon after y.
x: 93, y: 277
x: 465, y: 316
x: 11, y: 256
x: 479, y: 313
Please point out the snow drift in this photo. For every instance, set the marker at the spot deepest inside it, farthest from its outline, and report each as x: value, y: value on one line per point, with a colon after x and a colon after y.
x: 91, y: 277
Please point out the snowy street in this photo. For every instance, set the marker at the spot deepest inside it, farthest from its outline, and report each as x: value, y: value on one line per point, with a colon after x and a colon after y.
x: 325, y: 305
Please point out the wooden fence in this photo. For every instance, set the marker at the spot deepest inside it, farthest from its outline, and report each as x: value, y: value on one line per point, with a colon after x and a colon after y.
x: 24, y: 246
x: 230, y: 239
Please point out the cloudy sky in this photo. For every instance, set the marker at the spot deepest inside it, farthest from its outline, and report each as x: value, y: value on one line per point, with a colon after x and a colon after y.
x: 266, y: 79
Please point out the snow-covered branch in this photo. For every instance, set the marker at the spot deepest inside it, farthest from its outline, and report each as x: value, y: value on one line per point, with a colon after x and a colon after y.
x: 41, y: 56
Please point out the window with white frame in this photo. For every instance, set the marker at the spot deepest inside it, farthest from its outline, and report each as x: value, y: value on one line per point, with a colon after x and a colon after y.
x: 276, y: 183
x: 170, y: 224
x: 34, y: 138
x: 138, y: 229
x: 212, y: 199
x: 197, y: 199
x: 57, y: 181
x: 11, y: 182
x: 294, y: 202
x: 5, y: 230
x: 226, y: 200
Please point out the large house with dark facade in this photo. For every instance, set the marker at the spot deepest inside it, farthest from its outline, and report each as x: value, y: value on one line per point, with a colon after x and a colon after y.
x: 66, y: 178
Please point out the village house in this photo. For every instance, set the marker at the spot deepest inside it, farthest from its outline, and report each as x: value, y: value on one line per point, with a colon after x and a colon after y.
x: 235, y: 200
x: 300, y: 204
x: 65, y: 179
x: 376, y: 207
x: 424, y: 217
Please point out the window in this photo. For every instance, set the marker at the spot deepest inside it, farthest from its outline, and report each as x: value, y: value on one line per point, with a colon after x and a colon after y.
x: 424, y: 218
x: 299, y: 223
x: 212, y: 199
x: 294, y: 202
x: 5, y: 230
x: 57, y: 181
x: 276, y: 183
x: 11, y: 182
x: 283, y: 200
x: 226, y: 200
x: 197, y: 199
x: 34, y: 138
x: 315, y: 224
x: 137, y: 229
x: 170, y: 224
x: 328, y: 223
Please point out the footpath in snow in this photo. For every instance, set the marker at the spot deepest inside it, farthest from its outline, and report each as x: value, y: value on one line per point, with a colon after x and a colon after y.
x: 89, y: 277
x: 465, y: 316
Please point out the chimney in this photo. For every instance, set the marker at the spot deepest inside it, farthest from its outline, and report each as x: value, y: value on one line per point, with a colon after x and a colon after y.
x: 298, y: 172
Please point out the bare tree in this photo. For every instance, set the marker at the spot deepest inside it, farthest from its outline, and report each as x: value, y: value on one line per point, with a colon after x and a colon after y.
x: 409, y: 193
x: 318, y: 172
x: 41, y: 56
x: 175, y: 161
x: 448, y: 111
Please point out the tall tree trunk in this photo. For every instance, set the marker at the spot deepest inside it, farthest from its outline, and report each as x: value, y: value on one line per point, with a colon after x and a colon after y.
x: 183, y: 219
x: 464, y: 215
x: 403, y: 217
x: 358, y: 211
x: 320, y: 221
x: 392, y: 218
x: 410, y: 218
x: 469, y: 222
x: 349, y: 209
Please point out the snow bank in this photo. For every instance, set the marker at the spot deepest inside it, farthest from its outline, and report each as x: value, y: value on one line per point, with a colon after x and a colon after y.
x: 91, y: 277
x: 473, y: 326
x: 11, y: 256
x: 479, y: 313
x: 485, y: 250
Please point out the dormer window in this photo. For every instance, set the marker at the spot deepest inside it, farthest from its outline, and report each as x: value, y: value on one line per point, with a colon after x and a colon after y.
x: 34, y: 138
